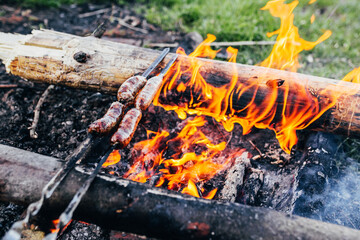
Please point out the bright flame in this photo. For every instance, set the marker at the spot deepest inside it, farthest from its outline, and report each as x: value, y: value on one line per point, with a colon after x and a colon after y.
x: 191, y: 189
x: 312, y: 19
x: 288, y: 44
x: 353, y: 76
x: 113, y: 158
x: 180, y: 160
x: 193, y: 159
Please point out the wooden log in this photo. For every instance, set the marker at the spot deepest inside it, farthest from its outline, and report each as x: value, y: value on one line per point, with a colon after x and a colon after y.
x: 51, y: 57
x: 139, y: 208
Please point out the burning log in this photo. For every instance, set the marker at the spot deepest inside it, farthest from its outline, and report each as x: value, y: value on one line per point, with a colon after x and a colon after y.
x: 48, y: 56
x: 129, y: 206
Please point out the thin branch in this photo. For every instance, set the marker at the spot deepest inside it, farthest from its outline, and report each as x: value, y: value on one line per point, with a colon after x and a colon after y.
x: 89, y: 14
x: 33, y: 126
x: 256, y: 148
x: 123, y: 23
x: 242, y: 43
x: 8, y: 85
x: 163, y: 45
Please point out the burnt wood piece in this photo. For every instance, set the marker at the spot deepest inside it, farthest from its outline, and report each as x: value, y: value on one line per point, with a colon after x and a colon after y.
x: 47, y: 56
x: 134, y: 207
x: 235, y: 178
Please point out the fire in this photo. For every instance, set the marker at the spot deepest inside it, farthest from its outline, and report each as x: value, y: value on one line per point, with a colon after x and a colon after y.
x: 184, y: 160
x: 113, y: 158
x: 288, y: 44
x: 193, y: 158
x: 55, y: 225
x: 353, y: 76
x: 186, y: 79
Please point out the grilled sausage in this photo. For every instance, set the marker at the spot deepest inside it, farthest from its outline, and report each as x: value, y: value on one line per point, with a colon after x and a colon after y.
x: 130, y: 88
x: 147, y: 94
x: 127, y: 128
x: 109, y: 120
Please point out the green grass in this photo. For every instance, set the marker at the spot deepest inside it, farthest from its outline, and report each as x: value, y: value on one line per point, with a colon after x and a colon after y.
x: 242, y: 20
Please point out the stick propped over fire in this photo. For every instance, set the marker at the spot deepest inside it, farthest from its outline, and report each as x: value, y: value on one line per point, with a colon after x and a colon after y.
x: 249, y: 95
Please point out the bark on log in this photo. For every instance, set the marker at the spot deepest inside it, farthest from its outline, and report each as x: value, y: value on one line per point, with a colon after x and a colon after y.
x: 133, y: 207
x: 48, y: 56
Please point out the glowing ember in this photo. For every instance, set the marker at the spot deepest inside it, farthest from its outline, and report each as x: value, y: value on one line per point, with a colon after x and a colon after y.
x: 55, y: 225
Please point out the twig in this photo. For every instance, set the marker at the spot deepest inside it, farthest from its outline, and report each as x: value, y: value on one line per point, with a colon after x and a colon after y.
x: 123, y: 23
x: 89, y: 14
x: 255, y: 147
x: 163, y: 45
x: 8, y: 85
x: 33, y: 126
x: 242, y: 43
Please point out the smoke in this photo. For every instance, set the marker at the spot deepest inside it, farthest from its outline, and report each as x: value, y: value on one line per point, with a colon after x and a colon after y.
x: 328, y: 182
x: 342, y: 197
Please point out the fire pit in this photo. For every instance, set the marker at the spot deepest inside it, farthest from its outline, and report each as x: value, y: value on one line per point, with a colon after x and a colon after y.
x: 215, y: 131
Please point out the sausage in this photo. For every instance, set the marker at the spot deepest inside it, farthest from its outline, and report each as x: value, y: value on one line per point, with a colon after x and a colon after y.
x: 109, y: 120
x: 127, y: 128
x: 147, y: 94
x: 130, y: 88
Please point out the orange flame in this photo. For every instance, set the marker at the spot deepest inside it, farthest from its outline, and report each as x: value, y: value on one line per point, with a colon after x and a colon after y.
x: 193, y: 158
x: 218, y: 101
x: 55, y: 225
x: 312, y: 19
x: 353, y: 76
x: 187, y: 165
x: 113, y: 158
x: 191, y: 189
x: 288, y: 44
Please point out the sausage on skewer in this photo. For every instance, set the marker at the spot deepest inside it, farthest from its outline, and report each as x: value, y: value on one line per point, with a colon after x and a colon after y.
x: 127, y: 127
x: 147, y: 94
x: 109, y: 120
x: 128, y: 90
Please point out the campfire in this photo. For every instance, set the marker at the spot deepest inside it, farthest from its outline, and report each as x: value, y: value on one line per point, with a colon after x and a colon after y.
x: 198, y: 156
x: 215, y: 130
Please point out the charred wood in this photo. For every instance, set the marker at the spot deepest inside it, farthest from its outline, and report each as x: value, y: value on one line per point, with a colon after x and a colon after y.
x: 133, y: 207
x: 235, y: 178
